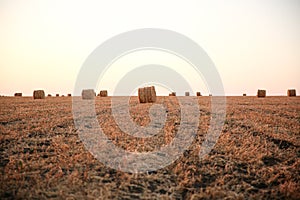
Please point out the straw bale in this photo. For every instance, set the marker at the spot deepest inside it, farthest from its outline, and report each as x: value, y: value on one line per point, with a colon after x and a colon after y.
x: 18, y: 94
x: 261, y: 93
x: 88, y: 94
x: 38, y: 94
x: 103, y: 93
x: 147, y: 94
x: 291, y: 92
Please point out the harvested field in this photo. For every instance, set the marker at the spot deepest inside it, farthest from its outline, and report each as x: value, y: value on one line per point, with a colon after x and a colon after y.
x: 256, y: 157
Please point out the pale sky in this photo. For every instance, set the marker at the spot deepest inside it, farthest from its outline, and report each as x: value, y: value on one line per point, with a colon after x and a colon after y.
x: 254, y: 44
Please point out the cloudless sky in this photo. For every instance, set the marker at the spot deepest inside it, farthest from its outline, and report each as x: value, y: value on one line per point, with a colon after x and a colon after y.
x: 254, y: 44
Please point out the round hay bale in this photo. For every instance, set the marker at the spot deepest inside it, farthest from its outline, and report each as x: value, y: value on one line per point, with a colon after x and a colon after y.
x: 57, y: 95
x: 187, y: 93
x: 88, y: 94
x: 261, y: 93
x: 147, y: 94
x: 103, y: 93
x: 198, y: 94
x: 142, y: 95
x: 244, y: 95
x: 69, y: 95
x: 18, y: 94
x: 291, y: 93
x: 38, y: 94
x: 49, y: 95
x: 152, y: 94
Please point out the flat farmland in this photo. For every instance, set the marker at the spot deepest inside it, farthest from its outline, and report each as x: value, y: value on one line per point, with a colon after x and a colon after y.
x: 257, y: 155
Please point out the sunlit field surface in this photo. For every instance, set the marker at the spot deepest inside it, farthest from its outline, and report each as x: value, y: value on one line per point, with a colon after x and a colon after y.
x: 256, y: 157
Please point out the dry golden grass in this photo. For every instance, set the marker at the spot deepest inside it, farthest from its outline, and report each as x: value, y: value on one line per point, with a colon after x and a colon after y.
x: 256, y: 157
